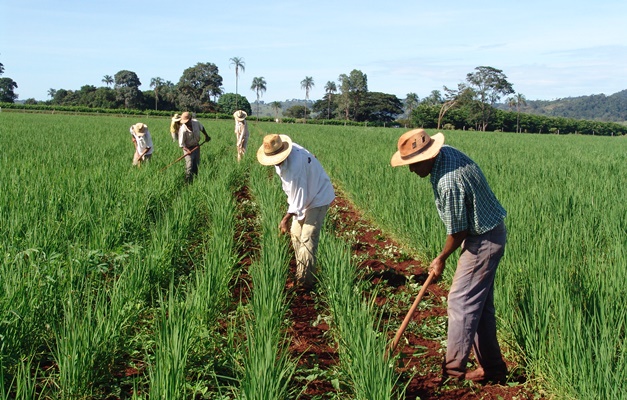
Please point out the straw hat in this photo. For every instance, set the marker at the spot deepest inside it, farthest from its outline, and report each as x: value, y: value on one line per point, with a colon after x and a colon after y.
x: 240, y: 115
x: 186, y: 116
x: 415, y: 146
x: 140, y: 129
x: 274, y: 150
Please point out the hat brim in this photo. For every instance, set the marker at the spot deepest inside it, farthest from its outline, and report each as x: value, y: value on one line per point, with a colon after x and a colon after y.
x: 237, y: 117
x: 437, y: 141
x: 278, y: 157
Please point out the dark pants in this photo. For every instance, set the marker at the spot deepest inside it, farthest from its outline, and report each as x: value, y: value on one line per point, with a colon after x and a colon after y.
x: 471, y: 319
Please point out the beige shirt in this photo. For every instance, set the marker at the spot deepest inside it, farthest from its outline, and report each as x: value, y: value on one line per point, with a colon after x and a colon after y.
x: 190, y: 138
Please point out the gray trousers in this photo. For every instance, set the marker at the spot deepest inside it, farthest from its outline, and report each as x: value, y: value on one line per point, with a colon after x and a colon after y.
x: 305, y: 236
x: 191, y: 164
x: 471, y: 319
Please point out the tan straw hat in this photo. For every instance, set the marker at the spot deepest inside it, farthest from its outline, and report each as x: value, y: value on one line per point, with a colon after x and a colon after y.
x: 139, y: 129
x: 186, y: 116
x: 274, y: 150
x: 240, y: 115
x: 415, y: 146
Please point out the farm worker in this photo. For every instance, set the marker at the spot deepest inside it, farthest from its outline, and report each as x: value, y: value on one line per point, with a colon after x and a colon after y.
x: 241, y: 132
x: 309, y: 194
x: 474, y: 221
x: 140, y: 135
x: 175, y: 125
x: 189, y: 141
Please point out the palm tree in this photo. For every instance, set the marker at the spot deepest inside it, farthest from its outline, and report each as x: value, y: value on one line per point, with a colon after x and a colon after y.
x: 108, y: 80
x: 259, y: 86
x: 156, y: 83
x: 276, y: 106
x: 517, y: 101
x: 239, y: 63
x: 330, y: 89
x: 411, y: 101
x: 307, y: 84
x: 52, y: 93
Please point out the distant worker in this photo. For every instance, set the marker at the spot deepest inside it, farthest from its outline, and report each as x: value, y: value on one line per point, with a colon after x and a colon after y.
x: 474, y: 221
x: 241, y: 133
x: 175, y: 125
x: 142, y: 141
x: 189, y: 141
x: 309, y: 193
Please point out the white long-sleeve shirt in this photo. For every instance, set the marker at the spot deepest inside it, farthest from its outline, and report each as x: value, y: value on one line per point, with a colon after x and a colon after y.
x: 304, y: 181
x: 142, y: 142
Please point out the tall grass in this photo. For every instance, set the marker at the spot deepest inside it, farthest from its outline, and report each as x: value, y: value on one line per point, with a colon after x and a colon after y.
x: 268, y: 367
x: 356, y: 322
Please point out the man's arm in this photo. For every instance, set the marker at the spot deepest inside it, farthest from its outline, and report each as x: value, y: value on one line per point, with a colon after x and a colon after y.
x: 204, y: 131
x: 452, y: 243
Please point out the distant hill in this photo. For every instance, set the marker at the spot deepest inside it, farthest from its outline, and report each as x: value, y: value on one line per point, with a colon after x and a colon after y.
x: 596, y: 107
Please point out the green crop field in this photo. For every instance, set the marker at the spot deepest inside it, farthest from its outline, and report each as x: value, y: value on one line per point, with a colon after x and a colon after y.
x: 116, y: 281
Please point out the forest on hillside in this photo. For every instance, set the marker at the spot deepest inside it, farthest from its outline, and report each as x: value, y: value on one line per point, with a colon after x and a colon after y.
x: 596, y: 107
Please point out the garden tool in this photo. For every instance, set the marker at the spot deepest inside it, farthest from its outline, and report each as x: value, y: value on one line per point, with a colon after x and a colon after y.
x: 401, y: 329
x: 183, y: 156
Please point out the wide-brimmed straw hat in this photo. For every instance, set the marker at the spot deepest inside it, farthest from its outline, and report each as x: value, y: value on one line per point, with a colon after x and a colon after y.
x: 140, y: 129
x: 274, y: 150
x: 415, y: 146
x: 240, y: 115
x: 186, y: 116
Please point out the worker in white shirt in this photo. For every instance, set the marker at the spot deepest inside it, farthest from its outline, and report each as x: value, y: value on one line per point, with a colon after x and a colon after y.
x: 309, y: 193
x: 140, y: 135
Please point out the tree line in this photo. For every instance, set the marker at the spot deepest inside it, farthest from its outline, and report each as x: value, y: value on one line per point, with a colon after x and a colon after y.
x: 472, y: 105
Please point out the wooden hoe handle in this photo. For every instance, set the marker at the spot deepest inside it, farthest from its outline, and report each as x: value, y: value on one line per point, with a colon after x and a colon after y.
x: 411, y: 311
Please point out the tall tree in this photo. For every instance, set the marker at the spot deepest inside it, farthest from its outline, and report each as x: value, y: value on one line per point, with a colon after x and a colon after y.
x: 127, y: 88
x: 411, y: 101
x: 52, y: 92
x: 516, y: 102
x: 197, y: 85
x: 7, y: 90
x: 276, y: 106
x: 353, y: 87
x: 488, y: 84
x: 307, y: 84
x: 108, y: 80
x: 330, y: 88
x: 259, y: 87
x: 156, y: 83
x: 239, y: 64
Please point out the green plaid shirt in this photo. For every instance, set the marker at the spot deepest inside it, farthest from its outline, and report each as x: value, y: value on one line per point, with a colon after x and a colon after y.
x: 462, y: 195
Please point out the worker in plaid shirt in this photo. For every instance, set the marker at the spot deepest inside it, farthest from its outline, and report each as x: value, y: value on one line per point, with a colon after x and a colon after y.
x: 473, y: 218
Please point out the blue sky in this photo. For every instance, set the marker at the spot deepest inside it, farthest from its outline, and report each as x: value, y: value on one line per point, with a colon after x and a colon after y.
x: 547, y: 49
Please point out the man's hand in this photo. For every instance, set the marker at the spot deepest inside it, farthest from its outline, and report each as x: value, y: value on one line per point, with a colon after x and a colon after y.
x: 284, y: 225
x: 437, y: 267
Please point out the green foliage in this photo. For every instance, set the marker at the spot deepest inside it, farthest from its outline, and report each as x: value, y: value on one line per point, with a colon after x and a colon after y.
x: 196, y: 87
x: 127, y: 88
x: 7, y: 90
x: 228, y: 102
